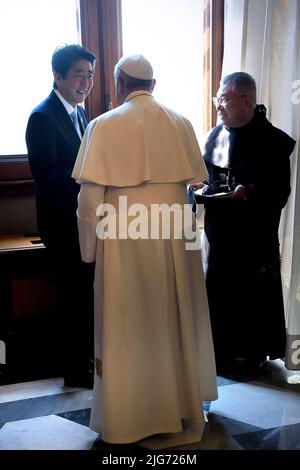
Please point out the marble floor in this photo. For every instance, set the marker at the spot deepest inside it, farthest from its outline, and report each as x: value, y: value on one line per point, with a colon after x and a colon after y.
x: 258, y: 411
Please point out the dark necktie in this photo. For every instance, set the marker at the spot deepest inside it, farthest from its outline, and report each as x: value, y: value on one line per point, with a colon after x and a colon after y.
x: 74, y: 117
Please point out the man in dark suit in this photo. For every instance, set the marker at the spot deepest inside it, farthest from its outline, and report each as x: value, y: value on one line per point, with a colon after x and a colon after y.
x: 53, y: 137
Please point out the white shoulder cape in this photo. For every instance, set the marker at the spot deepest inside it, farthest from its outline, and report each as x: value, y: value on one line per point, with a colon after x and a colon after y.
x: 139, y: 141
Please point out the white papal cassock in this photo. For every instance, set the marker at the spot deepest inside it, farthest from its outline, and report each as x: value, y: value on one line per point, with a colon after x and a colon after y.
x: 153, y: 347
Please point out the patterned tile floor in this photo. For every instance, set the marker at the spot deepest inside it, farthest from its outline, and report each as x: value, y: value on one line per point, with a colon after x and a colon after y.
x: 254, y: 412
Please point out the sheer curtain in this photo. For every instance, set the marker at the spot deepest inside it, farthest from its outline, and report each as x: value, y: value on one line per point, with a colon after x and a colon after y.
x: 262, y: 38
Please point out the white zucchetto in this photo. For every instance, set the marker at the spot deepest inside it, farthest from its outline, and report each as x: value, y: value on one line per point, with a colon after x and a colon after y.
x: 136, y: 66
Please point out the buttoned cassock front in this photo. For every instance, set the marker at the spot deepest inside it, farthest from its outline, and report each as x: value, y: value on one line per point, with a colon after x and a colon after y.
x: 153, y: 345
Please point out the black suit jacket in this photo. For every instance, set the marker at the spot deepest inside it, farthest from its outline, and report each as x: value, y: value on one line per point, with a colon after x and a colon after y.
x: 53, y: 144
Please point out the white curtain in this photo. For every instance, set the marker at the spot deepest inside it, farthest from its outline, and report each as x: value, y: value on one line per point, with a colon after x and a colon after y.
x: 262, y: 37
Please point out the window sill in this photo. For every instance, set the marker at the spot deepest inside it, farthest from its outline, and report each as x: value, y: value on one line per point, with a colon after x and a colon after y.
x: 11, y: 243
x: 17, y: 188
x: 15, y: 176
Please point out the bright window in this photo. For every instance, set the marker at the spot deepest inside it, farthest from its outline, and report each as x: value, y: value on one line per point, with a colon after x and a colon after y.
x: 170, y: 34
x: 30, y: 30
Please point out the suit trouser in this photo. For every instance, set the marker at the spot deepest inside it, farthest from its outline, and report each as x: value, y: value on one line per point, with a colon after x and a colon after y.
x: 75, y: 316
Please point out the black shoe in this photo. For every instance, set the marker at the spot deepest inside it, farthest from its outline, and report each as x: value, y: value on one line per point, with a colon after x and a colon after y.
x: 251, y: 364
x: 224, y: 366
x: 79, y: 381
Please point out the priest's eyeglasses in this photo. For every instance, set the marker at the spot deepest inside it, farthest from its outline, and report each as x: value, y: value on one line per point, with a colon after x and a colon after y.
x: 223, y: 100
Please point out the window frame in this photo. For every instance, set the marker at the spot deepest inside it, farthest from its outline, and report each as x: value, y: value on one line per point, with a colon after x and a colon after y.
x: 101, y: 32
x: 213, y: 50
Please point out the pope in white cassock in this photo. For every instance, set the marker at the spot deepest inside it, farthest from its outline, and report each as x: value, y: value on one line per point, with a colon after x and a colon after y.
x: 153, y: 347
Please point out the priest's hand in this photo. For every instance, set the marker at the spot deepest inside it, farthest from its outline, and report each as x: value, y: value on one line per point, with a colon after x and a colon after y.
x: 238, y: 193
x: 195, y: 186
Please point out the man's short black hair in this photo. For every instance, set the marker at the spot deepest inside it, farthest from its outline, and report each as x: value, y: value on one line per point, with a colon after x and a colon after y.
x: 64, y: 57
x: 243, y: 81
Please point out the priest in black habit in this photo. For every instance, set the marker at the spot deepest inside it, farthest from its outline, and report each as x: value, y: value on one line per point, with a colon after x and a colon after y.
x: 247, y: 159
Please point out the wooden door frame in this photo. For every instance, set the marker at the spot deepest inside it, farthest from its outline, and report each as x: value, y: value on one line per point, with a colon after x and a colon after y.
x: 101, y: 32
x: 213, y: 49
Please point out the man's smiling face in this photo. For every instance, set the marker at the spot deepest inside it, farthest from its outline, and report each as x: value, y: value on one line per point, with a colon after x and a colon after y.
x: 77, y: 83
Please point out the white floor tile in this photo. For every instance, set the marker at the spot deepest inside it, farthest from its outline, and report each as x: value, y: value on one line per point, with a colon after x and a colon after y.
x: 37, y: 388
x: 261, y: 405
x: 46, y: 433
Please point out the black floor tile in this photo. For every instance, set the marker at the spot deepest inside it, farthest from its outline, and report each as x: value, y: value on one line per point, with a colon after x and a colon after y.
x: 43, y: 406
x: 78, y: 416
x: 221, y: 426
x: 281, y: 438
x: 104, y: 446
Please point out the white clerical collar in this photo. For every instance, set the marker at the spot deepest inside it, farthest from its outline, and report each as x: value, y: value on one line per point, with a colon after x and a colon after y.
x: 137, y: 93
x: 68, y: 106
